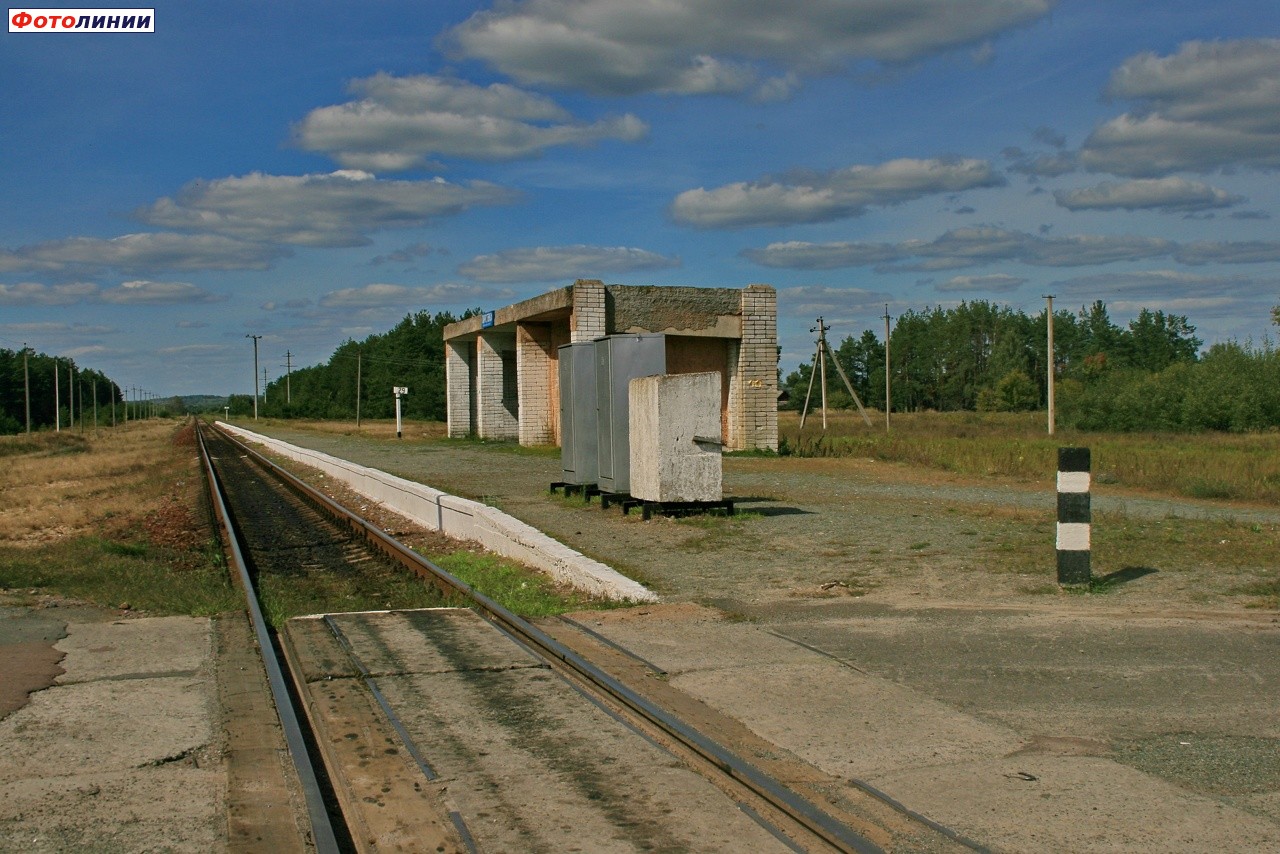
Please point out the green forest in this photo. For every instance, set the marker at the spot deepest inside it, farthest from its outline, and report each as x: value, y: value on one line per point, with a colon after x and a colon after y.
x: 410, y: 355
x: 59, y: 391
x: 1149, y: 375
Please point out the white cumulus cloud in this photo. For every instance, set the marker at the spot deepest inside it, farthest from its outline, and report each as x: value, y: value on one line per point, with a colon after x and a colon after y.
x: 1171, y: 194
x: 800, y: 255
x: 335, y: 209
x: 382, y: 295
x: 978, y: 245
x: 997, y: 283
x: 38, y: 293
x: 549, y: 263
x: 142, y: 253
x: 720, y: 46
x: 821, y: 197
x: 1210, y: 106
x: 399, y: 122
x: 143, y: 292
x: 834, y: 304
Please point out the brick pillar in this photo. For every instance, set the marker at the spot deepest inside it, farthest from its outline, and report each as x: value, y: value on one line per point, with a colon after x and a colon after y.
x: 733, y: 416
x: 589, y: 320
x: 459, y: 365
x: 533, y: 360
x: 495, y: 405
x: 754, y: 386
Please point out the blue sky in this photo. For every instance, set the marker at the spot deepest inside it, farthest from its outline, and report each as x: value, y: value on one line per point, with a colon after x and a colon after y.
x: 312, y: 172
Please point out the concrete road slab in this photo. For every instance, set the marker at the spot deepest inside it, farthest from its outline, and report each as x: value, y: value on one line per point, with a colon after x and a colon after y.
x: 1072, y: 803
x: 121, y: 753
x: 132, y: 648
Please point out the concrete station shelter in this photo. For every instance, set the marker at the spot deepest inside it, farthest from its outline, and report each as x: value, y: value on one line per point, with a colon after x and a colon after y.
x: 503, y: 366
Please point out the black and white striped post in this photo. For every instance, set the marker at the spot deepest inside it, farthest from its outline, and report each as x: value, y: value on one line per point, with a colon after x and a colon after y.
x: 1074, y: 517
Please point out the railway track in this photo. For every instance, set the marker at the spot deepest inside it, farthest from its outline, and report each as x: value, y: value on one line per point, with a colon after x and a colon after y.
x: 399, y: 721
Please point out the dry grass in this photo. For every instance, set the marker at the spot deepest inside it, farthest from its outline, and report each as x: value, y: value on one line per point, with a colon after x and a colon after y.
x: 375, y: 429
x: 1240, y: 467
x: 67, y: 484
x: 110, y: 518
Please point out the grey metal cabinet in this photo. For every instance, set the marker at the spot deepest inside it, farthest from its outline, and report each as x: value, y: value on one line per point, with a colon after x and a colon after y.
x: 618, y: 360
x: 578, y: 442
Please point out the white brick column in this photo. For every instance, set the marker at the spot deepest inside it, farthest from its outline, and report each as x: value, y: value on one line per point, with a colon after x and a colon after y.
x: 459, y: 363
x: 733, y: 440
x: 533, y: 365
x: 589, y: 320
x: 754, y: 386
x: 496, y: 420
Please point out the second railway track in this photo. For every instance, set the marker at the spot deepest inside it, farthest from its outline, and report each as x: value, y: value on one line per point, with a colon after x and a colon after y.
x: 448, y: 729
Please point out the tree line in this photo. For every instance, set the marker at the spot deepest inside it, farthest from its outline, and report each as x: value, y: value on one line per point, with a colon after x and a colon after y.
x: 1148, y: 375
x: 409, y: 355
x: 59, y: 389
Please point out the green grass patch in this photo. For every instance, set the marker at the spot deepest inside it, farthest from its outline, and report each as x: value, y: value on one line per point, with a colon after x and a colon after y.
x: 373, y: 586
x: 717, y: 531
x: 109, y: 573
x: 1268, y: 593
x: 1225, y: 544
x: 509, y: 446
x: 1199, y: 487
x: 516, y: 588
x: 124, y: 549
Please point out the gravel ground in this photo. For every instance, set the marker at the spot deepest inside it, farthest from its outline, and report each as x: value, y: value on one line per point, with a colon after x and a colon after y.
x: 822, y: 528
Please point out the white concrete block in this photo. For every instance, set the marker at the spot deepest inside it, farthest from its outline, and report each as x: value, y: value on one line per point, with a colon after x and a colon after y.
x: 675, y: 438
x: 464, y: 519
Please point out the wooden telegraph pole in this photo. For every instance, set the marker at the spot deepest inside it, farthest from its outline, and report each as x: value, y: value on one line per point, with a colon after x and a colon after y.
x: 888, y: 401
x: 1049, y: 324
x: 820, y: 366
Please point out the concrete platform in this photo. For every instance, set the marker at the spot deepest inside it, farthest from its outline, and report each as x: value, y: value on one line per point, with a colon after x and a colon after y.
x: 1022, y: 731
x: 122, y: 752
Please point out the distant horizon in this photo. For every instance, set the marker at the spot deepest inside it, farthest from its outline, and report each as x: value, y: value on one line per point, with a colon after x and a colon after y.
x: 247, y: 171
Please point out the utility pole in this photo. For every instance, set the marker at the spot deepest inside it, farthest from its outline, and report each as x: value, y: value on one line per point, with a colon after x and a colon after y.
x: 357, y: 389
x: 26, y: 384
x: 820, y: 366
x: 57, y: 401
x: 288, y: 376
x: 1049, y: 324
x: 888, y: 401
x: 255, y: 374
x: 264, y: 386
x: 71, y: 396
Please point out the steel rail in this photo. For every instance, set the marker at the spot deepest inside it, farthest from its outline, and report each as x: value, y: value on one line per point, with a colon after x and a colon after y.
x: 800, y: 810
x: 322, y: 832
